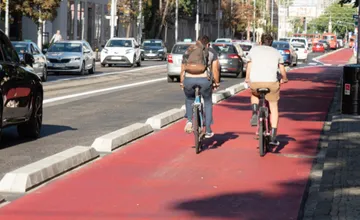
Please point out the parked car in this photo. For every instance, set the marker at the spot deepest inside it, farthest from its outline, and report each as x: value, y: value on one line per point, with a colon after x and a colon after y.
x: 230, y: 61
x: 71, y: 56
x: 318, y: 47
x: 241, y: 53
x: 287, y: 51
x: 301, y: 51
x: 153, y: 49
x: 122, y: 51
x: 40, y: 65
x: 175, y: 59
x: 21, y: 91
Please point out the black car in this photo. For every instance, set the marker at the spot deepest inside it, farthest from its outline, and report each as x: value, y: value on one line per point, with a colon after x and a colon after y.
x: 21, y: 91
x: 230, y: 61
x: 153, y: 49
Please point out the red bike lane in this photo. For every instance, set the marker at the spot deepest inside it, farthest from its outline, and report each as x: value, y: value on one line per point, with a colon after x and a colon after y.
x: 161, y: 177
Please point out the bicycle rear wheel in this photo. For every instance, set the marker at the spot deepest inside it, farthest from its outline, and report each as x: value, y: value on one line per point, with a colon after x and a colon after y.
x: 262, y: 139
x: 196, y: 127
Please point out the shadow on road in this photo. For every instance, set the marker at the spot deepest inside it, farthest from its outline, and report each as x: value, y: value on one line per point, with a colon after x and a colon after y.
x: 10, y: 137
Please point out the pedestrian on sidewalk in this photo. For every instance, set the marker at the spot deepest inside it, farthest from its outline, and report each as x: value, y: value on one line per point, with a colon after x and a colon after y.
x: 261, y: 72
x: 198, y: 56
x: 57, y: 37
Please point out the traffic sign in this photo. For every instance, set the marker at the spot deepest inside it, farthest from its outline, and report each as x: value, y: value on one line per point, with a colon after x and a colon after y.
x: 347, y: 89
x: 355, y: 16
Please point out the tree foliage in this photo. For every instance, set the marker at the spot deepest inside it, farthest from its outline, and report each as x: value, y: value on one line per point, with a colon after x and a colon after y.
x: 34, y: 9
x: 341, y: 18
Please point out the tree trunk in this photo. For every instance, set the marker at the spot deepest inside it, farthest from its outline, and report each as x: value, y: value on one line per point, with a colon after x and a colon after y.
x: 128, y: 30
x: 248, y: 30
x: 164, y: 14
x: 39, y: 36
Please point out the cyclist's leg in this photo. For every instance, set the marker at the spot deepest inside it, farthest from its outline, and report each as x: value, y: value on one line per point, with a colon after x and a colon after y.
x: 273, y: 97
x: 206, y: 92
x: 254, y: 102
x: 189, y: 100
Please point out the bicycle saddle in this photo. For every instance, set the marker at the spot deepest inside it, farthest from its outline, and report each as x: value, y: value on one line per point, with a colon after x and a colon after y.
x: 263, y: 90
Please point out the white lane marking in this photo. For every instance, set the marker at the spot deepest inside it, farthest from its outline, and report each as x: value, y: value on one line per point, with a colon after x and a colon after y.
x: 327, y: 64
x: 101, y: 90
x: 103, y: 74
x: 313, y: 63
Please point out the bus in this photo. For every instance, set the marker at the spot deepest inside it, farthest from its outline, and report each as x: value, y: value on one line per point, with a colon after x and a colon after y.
x: 331, y: 39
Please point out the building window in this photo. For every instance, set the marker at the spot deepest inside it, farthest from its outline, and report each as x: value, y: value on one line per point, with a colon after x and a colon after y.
x: 70, y: 20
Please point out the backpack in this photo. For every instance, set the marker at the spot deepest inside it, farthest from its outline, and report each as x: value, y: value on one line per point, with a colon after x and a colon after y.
x: 196, y: 59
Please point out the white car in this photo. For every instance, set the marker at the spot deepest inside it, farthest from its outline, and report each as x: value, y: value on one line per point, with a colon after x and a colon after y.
x: 301, y: 51
x: 223, y: 40
x: 299, y: 39
x: 122, y: 51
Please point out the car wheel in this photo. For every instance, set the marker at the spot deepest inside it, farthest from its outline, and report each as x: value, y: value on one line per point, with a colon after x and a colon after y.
x: 82, y: 71
x: 92, y: 70
x: 44, y: 75
x: 133, y: 63
x: 170, y: 79
x: 102, y: 65
x: 32, y: 128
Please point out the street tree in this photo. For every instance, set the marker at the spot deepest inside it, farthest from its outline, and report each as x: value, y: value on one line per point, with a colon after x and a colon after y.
x: 341, y: 18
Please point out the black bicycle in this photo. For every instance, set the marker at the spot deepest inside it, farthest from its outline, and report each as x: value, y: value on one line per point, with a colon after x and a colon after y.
x: 264, y: 124
x: 198, y: 120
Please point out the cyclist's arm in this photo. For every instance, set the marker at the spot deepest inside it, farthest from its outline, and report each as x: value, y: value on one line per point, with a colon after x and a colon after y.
x: 248, y: 69
x: 282, y: 69
x: 215, y: 70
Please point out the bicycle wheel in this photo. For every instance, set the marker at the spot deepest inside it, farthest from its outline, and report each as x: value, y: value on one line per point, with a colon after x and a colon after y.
x: 262, y: 139
x: 196, y: 127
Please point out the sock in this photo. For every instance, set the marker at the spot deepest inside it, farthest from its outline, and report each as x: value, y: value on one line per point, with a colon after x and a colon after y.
x: 273, y: 134
x: 254, y: 108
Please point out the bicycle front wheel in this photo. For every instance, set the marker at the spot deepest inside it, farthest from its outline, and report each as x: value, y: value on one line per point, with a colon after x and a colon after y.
x: 262, y: 139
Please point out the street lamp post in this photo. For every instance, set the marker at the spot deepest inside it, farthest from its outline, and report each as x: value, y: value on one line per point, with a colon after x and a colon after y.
x: 140, y: 22
x: 231, y: 15
x: 7, y: 18
x: 176, y: 20
x: 197, y: 20
x: 272, y: 12
x: 112, y: 19
x: 219, y: 9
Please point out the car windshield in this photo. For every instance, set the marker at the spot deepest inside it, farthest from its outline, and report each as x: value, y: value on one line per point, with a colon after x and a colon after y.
x: 223, y: 41
x: 224, y: 48
x: 299, y: 40
x: 21, y: 47
x: 119, y: 43
x: 329, y: 37
x: 152, y: 44
x: 245, y: 47
x: 280, y: 46
x: 180, y: 48
x: 65, y: 47
x: 284, y: 39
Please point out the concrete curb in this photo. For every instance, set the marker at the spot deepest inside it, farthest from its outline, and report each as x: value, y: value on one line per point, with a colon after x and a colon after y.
x: 235, y: 88
x: 108, y: 142
x: 220, y: 95
x: 165, y: 118
x: 29, y: 176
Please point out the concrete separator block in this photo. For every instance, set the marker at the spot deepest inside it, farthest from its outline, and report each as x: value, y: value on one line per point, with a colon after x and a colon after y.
x: 235, y: 88
x: 108, y: 142
x: 31, y: 175
x: 165, y: 118
x: 220, y: 95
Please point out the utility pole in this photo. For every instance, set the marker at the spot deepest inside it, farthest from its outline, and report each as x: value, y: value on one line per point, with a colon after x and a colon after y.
x: 231, y: 15
x: 358, y: 40
x: 7, y: 18
x: 176, y: 20
x: 197, y: 20
x: 140, y: 22
x: 219, y: 9
x: 272, y: 13
x: 112, y: 19
x: 254, y: 23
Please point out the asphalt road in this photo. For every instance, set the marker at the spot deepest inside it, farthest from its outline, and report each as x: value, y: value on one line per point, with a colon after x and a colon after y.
x: 71, y: 119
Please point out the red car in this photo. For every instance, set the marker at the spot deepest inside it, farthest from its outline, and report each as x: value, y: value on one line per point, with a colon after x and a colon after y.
x: 318, y: 47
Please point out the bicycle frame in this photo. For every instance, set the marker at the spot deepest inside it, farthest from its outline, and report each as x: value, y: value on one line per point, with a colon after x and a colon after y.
x: 198, y: 104
x: 264, y: 113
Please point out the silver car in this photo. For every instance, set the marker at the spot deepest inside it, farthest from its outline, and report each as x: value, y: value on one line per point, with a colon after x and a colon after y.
x: 71, y: 56
x: 175, y: 60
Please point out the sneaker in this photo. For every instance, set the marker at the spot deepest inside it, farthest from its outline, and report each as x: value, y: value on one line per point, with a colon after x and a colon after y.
x: 254, y: 120
x: 209, y: 135
x: 188, y: 127
x: 274, y: 142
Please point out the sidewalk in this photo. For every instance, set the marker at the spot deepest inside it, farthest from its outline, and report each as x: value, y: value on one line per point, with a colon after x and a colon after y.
x: 161, y: 177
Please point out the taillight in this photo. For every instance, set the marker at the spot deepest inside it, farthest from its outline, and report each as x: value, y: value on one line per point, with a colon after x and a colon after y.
x: 233, y: 56
x: 287, y: 51
x: 170, y: 59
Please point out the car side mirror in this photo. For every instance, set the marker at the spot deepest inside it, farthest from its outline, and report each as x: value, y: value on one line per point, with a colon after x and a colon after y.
x: 297, y: 49
x: 137, y: 46
x: 103, y: 46
x: 44, y: 51
x: 86, y: 51
x: 28, y: 59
